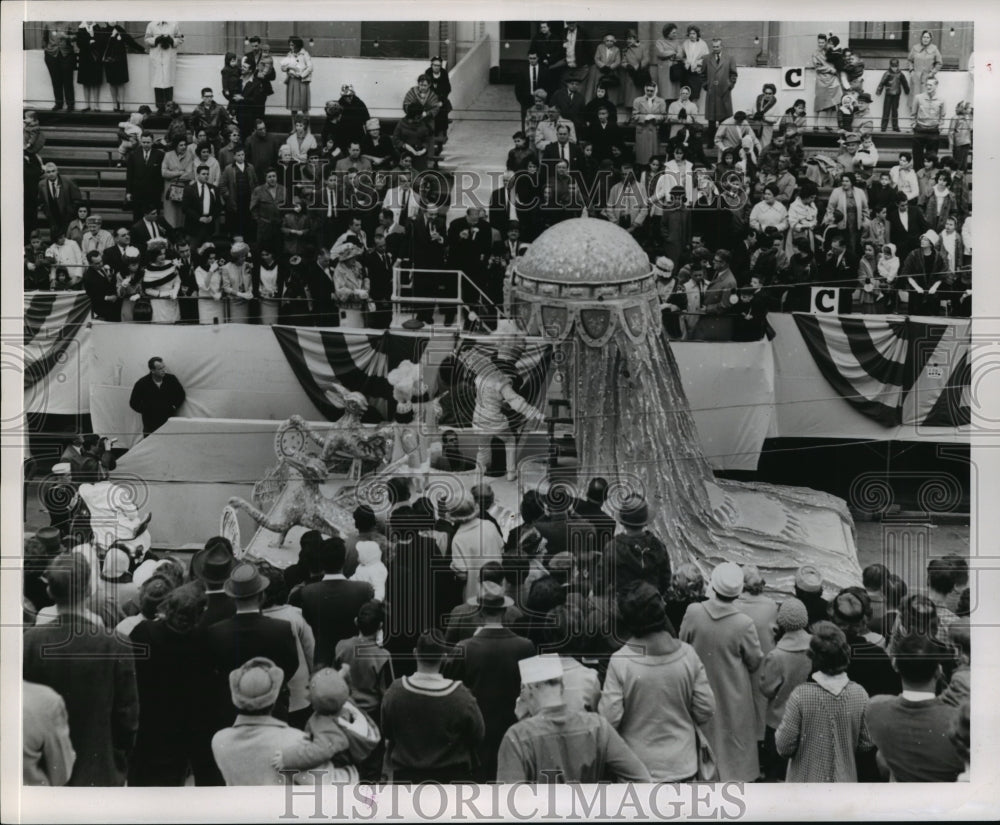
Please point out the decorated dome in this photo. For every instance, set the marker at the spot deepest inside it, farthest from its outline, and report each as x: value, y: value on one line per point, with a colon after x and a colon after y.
x: 584, y: 251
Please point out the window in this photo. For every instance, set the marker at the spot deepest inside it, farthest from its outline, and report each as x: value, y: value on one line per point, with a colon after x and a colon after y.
x: 894, y: 36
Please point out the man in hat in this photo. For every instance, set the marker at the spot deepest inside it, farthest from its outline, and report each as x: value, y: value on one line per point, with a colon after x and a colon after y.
x: 487, y: 664
x: 331, y: 604
x: 474, y: 543
x: 230, y: 642
x: 93, y: 671
x: 591, y: 509
x: 556, y: 745
x: 465, y: 619
x: 569, y: 100
x: 72, y: 454
x: 433, y: 726
x: 212, y: 566
x: 58, y: 496
x: 245, y: 750
x: 726, y: 641
x: 636, y: 554
x: 376, y: 146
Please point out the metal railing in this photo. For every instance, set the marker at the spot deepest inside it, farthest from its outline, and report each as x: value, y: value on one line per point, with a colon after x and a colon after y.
x: 404, y: 280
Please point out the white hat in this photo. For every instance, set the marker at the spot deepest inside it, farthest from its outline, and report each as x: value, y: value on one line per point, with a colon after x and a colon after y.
x: 372, y: 124
x: 540, y: 668
x: 664, y: 265
x: 144, y: 571
x: 932, y: 236
x: 62, y: 468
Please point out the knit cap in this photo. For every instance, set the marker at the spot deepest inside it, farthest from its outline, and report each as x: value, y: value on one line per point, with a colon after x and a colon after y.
x: 328, y: 691
x: 792, y: 615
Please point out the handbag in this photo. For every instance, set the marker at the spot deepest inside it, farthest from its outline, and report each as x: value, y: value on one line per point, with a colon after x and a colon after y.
x: 708, y: 768
x: 678, y: 73
x: 175, y: 192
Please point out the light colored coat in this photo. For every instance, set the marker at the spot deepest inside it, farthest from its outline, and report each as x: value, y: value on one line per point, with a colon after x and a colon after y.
x: 162, y: 62
x: 244, y: 751
x: 654, y: 699
x: 838, y: 200
x: 726, y: 642
x: 647, y: 137
x: 764, y: 612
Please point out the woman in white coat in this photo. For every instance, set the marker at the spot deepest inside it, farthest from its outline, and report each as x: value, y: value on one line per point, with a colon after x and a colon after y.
x: 163, y: 37
x: 848, y: 211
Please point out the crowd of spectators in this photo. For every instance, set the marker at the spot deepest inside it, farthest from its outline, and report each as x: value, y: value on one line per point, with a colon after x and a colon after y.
x: 738, y: 215
x: 445, y: 644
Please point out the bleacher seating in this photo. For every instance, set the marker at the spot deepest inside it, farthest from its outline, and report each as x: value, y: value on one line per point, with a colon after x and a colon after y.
x: 85, y: 146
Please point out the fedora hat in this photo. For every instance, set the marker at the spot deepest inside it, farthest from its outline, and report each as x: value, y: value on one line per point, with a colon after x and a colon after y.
x: 245, y: 581
x: 634, y: 513
x: 213, y: 564
x: 491, y: 595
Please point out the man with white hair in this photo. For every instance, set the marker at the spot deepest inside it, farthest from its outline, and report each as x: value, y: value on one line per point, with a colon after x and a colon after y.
x: 556, y: 745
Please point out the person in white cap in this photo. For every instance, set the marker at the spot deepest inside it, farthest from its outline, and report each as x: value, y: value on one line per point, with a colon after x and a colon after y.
x: 556, y: 745
x: 726, y: 642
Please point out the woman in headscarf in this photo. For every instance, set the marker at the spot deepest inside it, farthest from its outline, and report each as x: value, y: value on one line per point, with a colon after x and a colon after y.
x: 925, y: 62
x: 350, y: 283
x: 670, y: 61
x: 919, y: 270
x: 414, y: 136
x: 237, y: 284
x: 656, y: 693
x: 209, y: 279
x: 298, y: 69
x: 828, y: 89
x: 600, y: 100
x: 695, y: 52
x: 118, y: 43
x: 90, y: 66
x: 161, y: 283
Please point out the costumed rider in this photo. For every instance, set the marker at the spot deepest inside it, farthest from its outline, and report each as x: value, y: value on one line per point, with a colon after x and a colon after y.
x: 114, y: 519
x: 494, y: 376
x: 416, y: 413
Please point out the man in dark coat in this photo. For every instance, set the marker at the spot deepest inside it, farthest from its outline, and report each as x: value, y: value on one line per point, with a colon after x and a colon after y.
x: 527, y: 80
x: 379, y: 262
x: 906, y: 225
x: 562, y: 149
x: 59, y: 197
x: 238, y: 181
x: 143, y: 179
x: 156, y: 396
x: 487, y: 664
x: 331, y: 605
x: 212, y: 566
x: 570, y: 102
x: 470, y: 241
x: 114, y: 256
x: 231, y: 642
x: 149, y: 226
x: 94, y: 672
x: 100, y: 286
x: 319, y: 281
x: 549, y: 49
x: 202, y: 207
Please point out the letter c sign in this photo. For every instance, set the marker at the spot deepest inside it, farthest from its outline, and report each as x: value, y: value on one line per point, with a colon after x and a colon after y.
x: 824, y: 301
x: 792, y: 78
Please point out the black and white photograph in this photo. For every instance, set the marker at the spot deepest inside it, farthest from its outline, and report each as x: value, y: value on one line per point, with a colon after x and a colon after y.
x: 499, y: 416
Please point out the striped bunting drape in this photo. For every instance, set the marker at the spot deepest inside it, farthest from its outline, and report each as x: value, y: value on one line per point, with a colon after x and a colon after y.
x: 51, y: 322
x: 358, y: 360
x: 361, y: 361
x: 894, y: 370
